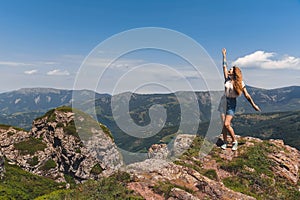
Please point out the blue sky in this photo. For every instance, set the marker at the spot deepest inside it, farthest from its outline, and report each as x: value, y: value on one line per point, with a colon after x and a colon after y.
x: 44, y: 42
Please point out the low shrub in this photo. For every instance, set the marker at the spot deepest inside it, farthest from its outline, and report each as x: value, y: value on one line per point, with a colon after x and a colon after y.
x: 30, y: 146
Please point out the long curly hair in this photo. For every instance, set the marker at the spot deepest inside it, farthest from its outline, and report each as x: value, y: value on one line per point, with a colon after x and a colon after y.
x: 237, y: 80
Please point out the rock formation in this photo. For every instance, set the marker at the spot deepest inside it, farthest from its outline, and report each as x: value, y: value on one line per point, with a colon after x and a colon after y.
x: 189, y: 176
x: 53, y: 148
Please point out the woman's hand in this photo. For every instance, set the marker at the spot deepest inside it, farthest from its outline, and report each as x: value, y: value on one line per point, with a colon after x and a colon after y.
x: 224, y: 52
x: 256, y: 107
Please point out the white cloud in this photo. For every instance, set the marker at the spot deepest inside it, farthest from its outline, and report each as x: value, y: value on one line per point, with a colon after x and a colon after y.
x: 48, y: 63
x: 268, y: 60
x: 14, y: 64
x: 58, y: 72
x: 30, y: 72
x: 24, y: 64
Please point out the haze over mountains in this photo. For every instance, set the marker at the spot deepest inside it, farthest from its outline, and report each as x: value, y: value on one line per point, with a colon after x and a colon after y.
x: 19, y: 108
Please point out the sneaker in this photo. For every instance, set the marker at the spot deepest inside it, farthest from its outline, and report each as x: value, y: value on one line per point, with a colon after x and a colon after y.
x: 224, y: 146
x: 234, y: 146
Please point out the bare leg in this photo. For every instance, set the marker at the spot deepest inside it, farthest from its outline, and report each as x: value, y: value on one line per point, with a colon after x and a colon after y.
x: 227, y: 127
x: 224, y: 133
x: 224, y: 130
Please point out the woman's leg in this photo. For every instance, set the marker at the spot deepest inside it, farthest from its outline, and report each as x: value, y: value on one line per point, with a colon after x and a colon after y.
x: 227, y: 126
x: 224, y: 131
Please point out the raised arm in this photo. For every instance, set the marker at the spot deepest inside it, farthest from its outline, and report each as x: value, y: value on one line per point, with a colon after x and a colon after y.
x: 225, y: 71
x: 248, y: 97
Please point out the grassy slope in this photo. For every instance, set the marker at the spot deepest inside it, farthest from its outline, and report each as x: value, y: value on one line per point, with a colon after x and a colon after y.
x: 19, y: 184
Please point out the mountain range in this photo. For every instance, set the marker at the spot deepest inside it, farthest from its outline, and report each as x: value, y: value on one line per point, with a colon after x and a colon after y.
x: 19, y: 108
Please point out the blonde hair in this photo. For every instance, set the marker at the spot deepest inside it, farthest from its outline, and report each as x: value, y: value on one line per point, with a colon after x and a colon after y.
x: 237, y: 80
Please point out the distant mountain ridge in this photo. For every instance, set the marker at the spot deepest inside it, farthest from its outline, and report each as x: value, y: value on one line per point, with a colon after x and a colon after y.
x: 272, y: 100
x: 19, y: 108
x: 43, y: 99
x: 39, y: 99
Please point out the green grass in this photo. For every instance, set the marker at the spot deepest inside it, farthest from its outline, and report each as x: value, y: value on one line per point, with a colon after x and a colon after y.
x: 164, y: 188
x: 33, y: 161
x: 19, y: 184
x: 210, y: 173
x: 56, y: 195
x: 195, y: 147
x: 97, y: 169
x: 30, y: 146
x: 65, y: 109
x: 255, y: 157
x: 49, y: 164
x: 110, y: 188
x: 6, y: 127
x: 70, y: 129
x: 261, y: 182
x: 70, y: 179
x: 50, y: 116
x: 106, y: 130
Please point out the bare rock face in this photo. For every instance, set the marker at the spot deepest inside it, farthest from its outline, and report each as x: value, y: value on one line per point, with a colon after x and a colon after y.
x: 287, y: 161
x: 181, y: 143
x: 8, y: 137
x: 54, y: 148
x: 158, y: 151
x: 151, y: 171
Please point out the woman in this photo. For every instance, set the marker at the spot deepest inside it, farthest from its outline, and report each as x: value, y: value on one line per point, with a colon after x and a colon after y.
x: 234, y: 87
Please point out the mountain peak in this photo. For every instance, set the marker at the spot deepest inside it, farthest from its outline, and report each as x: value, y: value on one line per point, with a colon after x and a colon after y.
x: 38, y: 90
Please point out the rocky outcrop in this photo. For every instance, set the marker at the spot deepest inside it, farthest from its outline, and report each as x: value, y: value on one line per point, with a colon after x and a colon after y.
x: 181, y: 143
x: 158, y: 151
x: 286, y: 161
x: 54, y: 148
x: 153, y: 171
x: 192, y: 177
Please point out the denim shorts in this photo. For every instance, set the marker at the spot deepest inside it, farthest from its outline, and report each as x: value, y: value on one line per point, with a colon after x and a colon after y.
x: 230, y: 106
